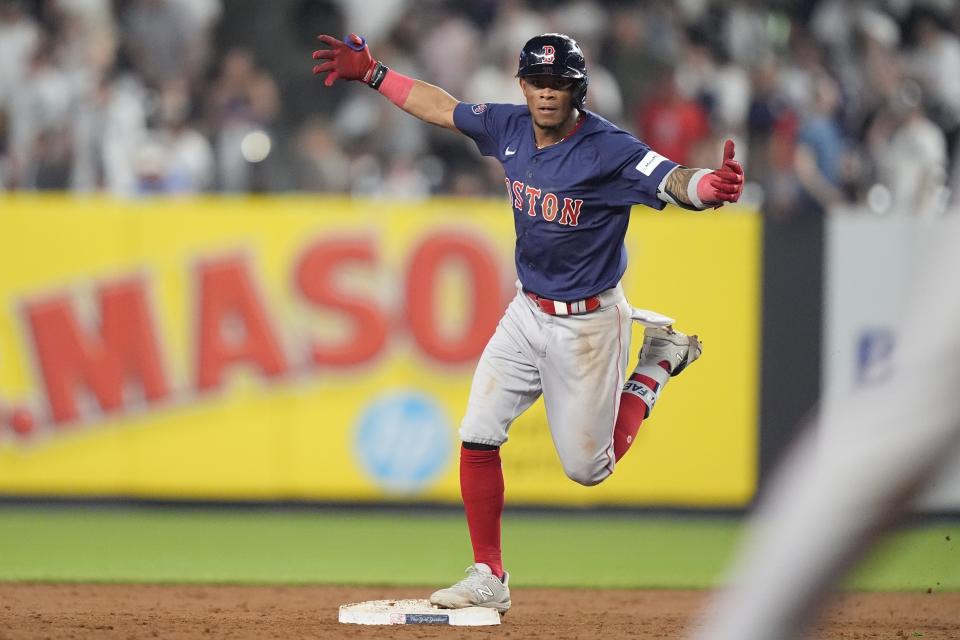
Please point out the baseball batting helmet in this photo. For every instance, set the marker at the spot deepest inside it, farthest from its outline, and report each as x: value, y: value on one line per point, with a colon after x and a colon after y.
x: 556, y: 54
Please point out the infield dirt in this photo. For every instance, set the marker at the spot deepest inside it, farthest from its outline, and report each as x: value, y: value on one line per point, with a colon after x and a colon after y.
x: 80, y: 611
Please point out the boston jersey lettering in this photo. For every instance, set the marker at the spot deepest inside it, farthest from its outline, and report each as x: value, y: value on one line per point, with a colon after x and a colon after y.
x: 571, y: 200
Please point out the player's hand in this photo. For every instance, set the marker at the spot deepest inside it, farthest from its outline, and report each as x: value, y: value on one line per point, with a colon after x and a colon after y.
x: 724, y: 184
x: 349, y: 59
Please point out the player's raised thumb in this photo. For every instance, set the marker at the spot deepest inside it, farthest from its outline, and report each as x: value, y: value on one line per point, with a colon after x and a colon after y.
x: 728, y: 149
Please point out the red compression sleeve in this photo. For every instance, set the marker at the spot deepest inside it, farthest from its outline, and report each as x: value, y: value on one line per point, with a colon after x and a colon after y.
x: 629, y: 418
x: 631, y: 414
x: 481, y: 485
x: 396, y: 87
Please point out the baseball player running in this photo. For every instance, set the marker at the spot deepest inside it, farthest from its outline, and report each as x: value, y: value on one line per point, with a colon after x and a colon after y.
x: 572, y: 178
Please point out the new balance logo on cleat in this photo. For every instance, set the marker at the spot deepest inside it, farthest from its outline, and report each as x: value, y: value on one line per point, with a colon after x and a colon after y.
x: 479, y: 589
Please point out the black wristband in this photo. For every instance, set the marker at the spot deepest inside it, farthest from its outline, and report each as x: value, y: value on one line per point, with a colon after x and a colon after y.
x: 379, y: 73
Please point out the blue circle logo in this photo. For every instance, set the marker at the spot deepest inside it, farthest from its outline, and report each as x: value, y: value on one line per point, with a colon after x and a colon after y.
x: 403, y: 441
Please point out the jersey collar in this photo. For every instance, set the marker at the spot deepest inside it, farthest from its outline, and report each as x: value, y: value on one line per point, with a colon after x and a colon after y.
x: 580, y: 120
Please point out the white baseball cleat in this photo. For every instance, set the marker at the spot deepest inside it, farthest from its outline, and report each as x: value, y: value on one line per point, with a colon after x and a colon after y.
x: 479, y: 589
x: 665, y: 343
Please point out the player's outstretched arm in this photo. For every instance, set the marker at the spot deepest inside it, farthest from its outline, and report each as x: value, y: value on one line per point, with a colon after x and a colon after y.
x: 350, y: 59
x: 701, y: 189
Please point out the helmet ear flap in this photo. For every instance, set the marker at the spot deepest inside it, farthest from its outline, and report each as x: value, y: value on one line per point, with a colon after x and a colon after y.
x: 580, y: 93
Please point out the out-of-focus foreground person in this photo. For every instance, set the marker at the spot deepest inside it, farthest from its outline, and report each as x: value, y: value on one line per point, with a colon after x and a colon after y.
x: 854, y: 471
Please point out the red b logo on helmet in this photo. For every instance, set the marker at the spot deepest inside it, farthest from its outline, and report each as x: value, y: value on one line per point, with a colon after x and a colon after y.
x: 548, y: 54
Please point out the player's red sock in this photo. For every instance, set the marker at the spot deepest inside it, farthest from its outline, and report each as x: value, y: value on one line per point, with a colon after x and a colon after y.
x: 481, y: 486
x: 631, y: 414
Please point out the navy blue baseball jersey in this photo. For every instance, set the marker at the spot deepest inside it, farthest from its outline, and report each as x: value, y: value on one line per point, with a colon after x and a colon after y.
x: 571, y: 200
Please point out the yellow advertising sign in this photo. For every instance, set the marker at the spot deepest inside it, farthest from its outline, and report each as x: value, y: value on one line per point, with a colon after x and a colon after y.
x: 322, y: 349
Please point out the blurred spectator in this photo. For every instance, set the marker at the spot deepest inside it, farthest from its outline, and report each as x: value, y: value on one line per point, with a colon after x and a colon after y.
x: 603, y: 94
x: 935, y: 62
x: 86, y: 38
x: 188, y: 157
x: 242, y: 101
x: 494, y: 80
x: 587, y: 19
x: 40, y: 110
x: 200, y: 18
x: 404, y: 180
x: 917, y: 186
x: 112, y: 100
x: 635, y: 64
x: 752, y: 31
x: 108, y: 127
x: 819, y: 153
x: 162, y: 41
x: 376, y: 16
x: 92, y: 16
x: 4, y: 153
x: 672, y: 123
x: 874, y: 69
x: 321, y: 164
x: 724, y: 88
x: 767, y: 108
x: 783, y: 191
x: 449, y: 48
x: 511, y: 28
x: 467, y: 185
x: 19, y: 36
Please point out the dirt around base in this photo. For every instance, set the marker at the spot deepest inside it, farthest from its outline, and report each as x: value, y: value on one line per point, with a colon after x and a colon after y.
x: 115, y: 612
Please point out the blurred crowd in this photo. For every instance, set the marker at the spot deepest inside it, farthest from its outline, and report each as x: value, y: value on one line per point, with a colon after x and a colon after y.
x: 831, y: 102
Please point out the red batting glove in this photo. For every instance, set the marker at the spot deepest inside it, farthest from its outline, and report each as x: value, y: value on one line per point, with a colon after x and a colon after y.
x: 724, y: 184
x: 346, y: 60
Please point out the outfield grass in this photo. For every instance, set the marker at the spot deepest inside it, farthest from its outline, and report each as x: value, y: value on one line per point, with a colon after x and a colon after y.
x: 369, y: 547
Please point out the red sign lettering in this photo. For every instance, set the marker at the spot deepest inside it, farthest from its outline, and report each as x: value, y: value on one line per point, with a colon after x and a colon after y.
x: 103, y: 360
x: 422, y: 304
x: 125, y: 349
x: 315, y: 275
x: 22, y: 422
x: 233, y: 324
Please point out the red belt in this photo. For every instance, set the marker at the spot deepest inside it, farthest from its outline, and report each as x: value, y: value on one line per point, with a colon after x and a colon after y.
x: 557, y: 308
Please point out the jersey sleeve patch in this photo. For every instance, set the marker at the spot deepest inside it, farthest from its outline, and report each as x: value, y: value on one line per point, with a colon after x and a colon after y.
x: 632, y: 170
x: 486, y: 123
x: 650, y: 162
